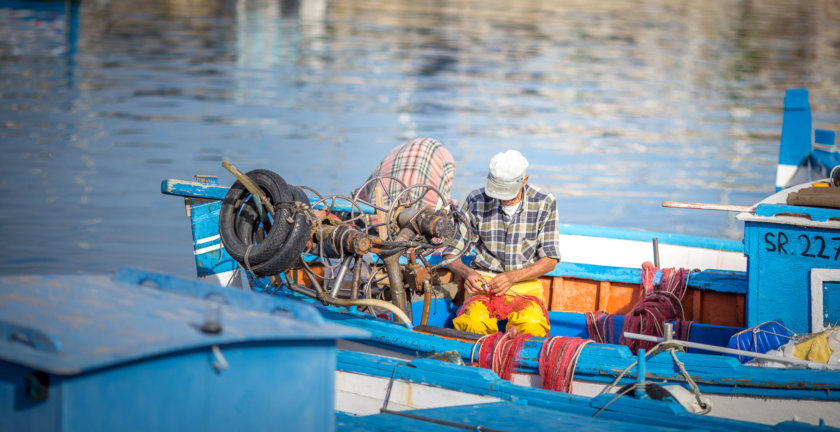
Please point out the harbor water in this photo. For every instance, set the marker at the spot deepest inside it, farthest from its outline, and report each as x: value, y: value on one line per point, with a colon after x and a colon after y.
x: 617, y: 105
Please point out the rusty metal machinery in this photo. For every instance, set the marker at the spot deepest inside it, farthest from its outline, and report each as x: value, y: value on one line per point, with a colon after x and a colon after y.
x: 368, y: 253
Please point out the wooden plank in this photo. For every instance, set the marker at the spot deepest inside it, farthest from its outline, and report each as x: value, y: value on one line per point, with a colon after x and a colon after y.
x: 547, y: 290
x: 604, y: 296
x: 557, y: 295
x: 623, y: 296
x: 707, y: 206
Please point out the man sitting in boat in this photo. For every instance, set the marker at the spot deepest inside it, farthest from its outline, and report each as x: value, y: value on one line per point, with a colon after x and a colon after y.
x: 514, y: 229
x: 421, y: 161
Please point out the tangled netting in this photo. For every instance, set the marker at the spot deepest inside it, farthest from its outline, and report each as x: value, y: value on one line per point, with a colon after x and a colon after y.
x: 500, y: 307
x: 659, y: 303
x: 558, y: 355
x: 558, y: 358
x: 499, y: 352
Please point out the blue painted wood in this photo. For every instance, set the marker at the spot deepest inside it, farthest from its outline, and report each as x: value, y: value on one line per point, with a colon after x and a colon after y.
x: 210, y: 257
x: 493, y: 416
x: 109, y: 355
x: 795, y: 144
x: 816, y: 214
x: 523, y: 416
x: 779, y: 261
x: 190, y: 189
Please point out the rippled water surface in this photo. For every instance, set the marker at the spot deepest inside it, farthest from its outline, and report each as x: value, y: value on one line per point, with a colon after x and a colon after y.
x: 618, y: 106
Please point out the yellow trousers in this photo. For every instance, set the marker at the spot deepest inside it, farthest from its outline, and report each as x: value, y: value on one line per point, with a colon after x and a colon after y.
x: 531, y: 320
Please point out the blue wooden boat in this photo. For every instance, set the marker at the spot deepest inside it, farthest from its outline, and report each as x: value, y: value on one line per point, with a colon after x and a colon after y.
x: 146, y: 351
x: 720, y: 303
x: 805, y: 153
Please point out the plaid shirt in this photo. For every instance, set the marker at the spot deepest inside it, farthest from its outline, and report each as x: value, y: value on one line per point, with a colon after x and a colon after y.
x: 419, y: 161
x: 505, y: 242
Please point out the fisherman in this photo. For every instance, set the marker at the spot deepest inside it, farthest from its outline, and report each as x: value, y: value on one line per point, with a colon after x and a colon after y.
x: 514, y: 229
x: 419, y: 161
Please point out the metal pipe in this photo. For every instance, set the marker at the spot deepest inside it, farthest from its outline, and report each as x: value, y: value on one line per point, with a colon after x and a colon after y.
x: 382, y: 304
x: 392, y: 266
x: 340, y: 275
x: 427, y: 303
x: 656, y: 252
x: 357, y: 276
x: 398, y: 313
x: 312, y: 278
x: 668, y: 334
x: 641, y: 383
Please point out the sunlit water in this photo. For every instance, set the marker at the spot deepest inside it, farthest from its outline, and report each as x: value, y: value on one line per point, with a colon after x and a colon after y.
x: 618, y: 106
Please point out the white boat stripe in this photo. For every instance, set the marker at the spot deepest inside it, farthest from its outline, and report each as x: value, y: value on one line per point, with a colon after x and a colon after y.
x: 207, y: 239
x: 784, y: 173
x: 208, y: 249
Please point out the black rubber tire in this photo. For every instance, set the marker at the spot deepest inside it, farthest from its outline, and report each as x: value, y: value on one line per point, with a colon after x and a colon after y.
x: 286, y: 254
x: 239, y: 225
x: 273, y: 186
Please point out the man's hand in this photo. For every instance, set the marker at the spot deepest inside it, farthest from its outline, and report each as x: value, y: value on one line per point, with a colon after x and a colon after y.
x: 499, y: 285
x: 474, y: 283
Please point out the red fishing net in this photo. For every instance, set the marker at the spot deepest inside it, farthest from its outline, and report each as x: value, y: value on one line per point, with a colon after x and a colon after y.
x: 659, y: 303
x: 558, y: 358
x: 500, y: 307
x: 499, y: 352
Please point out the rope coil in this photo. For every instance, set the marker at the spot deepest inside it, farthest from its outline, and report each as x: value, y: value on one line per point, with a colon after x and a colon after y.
x: 558, y: 360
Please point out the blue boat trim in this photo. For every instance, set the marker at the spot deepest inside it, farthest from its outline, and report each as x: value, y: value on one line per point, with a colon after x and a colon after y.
x: 811, y: 213
x: 648, y: 236
x: 190, y: 189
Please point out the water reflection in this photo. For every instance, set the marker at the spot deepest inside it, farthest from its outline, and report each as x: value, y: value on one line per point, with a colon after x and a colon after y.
x: 619, y: 105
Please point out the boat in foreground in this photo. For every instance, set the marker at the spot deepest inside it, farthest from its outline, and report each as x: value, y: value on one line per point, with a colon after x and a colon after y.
x: 789, y: 254
x: 146, y: 351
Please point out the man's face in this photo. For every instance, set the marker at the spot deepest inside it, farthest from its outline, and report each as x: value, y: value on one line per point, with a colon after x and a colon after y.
x: 515, y: 200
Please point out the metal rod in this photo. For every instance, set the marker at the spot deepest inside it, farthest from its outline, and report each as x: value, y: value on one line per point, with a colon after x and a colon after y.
x: 357, y: 276
x: 695, y: 345
x: 341, y: 271
x: 256, y: 192
x: 668, y: 334
x: 382, y: 304
x: 641, y: 384
x: 705, y: 206
x: 656, y: 252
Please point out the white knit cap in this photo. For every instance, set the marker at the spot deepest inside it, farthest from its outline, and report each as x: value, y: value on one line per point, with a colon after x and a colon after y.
x: 507, y: 173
